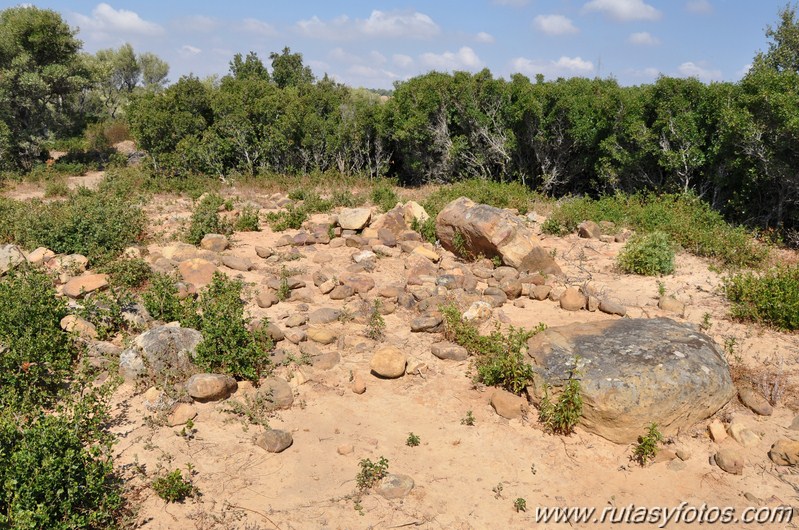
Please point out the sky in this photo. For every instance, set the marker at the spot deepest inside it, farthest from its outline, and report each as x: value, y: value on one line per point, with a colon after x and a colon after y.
x: 374, y: 43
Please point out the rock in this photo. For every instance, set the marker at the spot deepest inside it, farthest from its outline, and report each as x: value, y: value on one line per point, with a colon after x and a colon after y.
x: 80, y: 326
x: 360, y: 283
x: 237, y: 263
x: 394, y: 486
x: 449, y: 351
x: 493, y: 232
x: 785, y: 452
x: 423, y: 251
x: 83, y: 285
x: 387, y: 237
x: 161, y: 349
x: 389, y: 362
x: 495, y: 296
x: 264, y: 252
x: 589, y: 230
x: 295, y: 336
x: 634, y: 372
x: 354, y: 218
x: 10, y: 257
x: 327, y: 286
x: 325, y: 315
x: 358, y: 384
x: 755, y: 401
x: 39, y: 256
x: 572, y: 299
x: 730, y: 460
x: 511, y: 287
x: 275, y: 440
x: 743, y: 435
x: 266, y: 299
x: 593, y: 303
x: 345, y: 449
x: 210, y: 387
x: 505, y: 273
x: 364, y: 255
x: 717, y: 431
x: 429, y: 322
x: 276, y: 392
x: 157, y: 401
x: 612, y: 308
x: 179, y: 252
x: 412, y: 210
x: 214, y: 242
x: 478, y: 312
x: 508, y: 405
x: 795, y: 424
x: 326, y: 360
x: 305, y: 294
x: 671, y: 305
x: 197, y: 271
x: 296, y: 320
x: 540, y: 292
x: 321, y: 335
x: 182, y: 413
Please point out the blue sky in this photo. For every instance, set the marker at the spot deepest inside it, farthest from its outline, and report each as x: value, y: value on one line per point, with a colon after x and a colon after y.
x: 375, y: 43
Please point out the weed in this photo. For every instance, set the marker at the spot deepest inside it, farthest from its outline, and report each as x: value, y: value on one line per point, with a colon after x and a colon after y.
x: 497, y: 261
x: 427, y: 228
x: 384, y: 196
x: 412, y: 440
x: 661, y: 289
x: 731, y: 352
x: 188, y: 431
x: 127, y: 272
x: 376, y: 325
x: 56, y: 188
x: 290, y: 218
x: 162, y: 302
x: 520, y: 505
x: 248, y: 220
x: 255, y: 409
x: 105, y: 311
x: 561, y: 417
x: 648, y: 255
x: 705, y: 324
x: 647, y: 447
x: 205, y: 219
x: 770, y: 298
x: 498, y: 490
x: 370, y: 473
x: 468, y: 419
x: 459, y: 246
x: 173, y: 487
x: 284, y: 290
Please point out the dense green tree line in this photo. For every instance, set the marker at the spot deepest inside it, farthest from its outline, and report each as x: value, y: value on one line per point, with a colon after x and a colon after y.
x: 732, y: 144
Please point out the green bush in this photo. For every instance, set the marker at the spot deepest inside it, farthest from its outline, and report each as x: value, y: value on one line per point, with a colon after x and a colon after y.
x: 206, y: 220
x: 289, y: 218
x: 561, y: 416
x: 38, y: 354
x: 127, y: 272
x: 384, y: 196
x: 426, y: 229
x: 647, y: 447
x: 649, y: 255
x: 771, y: 298
x: 248, y: 220
x: 56, y: 188
x: 172, y: 487
x: 105, y: 311
x: 162, y: 302
x: 228, y: 346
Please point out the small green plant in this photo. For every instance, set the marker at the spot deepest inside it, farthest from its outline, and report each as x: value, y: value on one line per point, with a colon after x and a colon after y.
x: 412, y: 440
x: 648, y: 255
x: 376, y: 325
x: 205, y: 219
x: 498, y: 490
x: 56, y: 188
x: 290, y: 218
x: 127, y: 272
x: 468, y: 420
x: 459, y: 245
x: 188, y: 431
x: 105, y: 311
x: 520, y: 505
x: 284, y: 289
x: 173, y: 487
x: 647, y: 448
x: 770, y: 298
x: 705, y: 324
x: 661, y: 289
x: 248, y: 220
x: 560, y: 417
x: 496, y: 261
x: 427, y: 228
x: 731, y: 351
x: 254, y: 410
x: 370, y: 473
x: 553, y: 227
x: 384, y: 196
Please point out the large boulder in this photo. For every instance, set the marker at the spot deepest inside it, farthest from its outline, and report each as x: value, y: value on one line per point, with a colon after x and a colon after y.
x: 492, y: 232
x: 163, y: 348
x: 10, y: 257
x: 634, y: 372
x: 354, y: 218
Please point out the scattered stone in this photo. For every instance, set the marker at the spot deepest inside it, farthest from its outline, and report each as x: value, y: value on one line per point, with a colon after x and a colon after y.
x: 412, y: 210
x: 730, y: 460
x: 589, y: 230
x: 182, y: 413
x: 345, y: 449
x: 478, y: 312
x: 623, y: 236
x: 39, y: 256
x: 364, y: 255
x: 275, y: 440
x: 284, y: 241
x: 389, y: 362
x: 635, y: 372
x: 682, y: 454
x: 572, y: 299
x: 197, y: 271
x: 493, y: 232
x: 743, y: 435
x: 358, y: 384
x: 394, y: 486
x: 795, y: 424
x: 423, y: 251
x: 210, y: 387
x: 429, y: 322
x: 324, y: 315
x: 449, y: 351
x: 326, y: 360
x: 360, y: 283
x: 674, y: 465
x: 264, y: 252
x: 80, y: 326
x: 274, y: 332
x: 495, y: 296
x: 511, y: 287
x: 755, y: 401
x: 717, y: 431
x: 277, y: 392
x: 540, y: 292
x: 785, y: 452
x: 83, y: 285
x: 164, y: 348
x: 612, y: 308
x: 671, y: 305
x: 10, y: 257
x: 266, y: 299
x: 296, y: 320
x: 354, y: 218
x: 327, y: 286
x: 237, y: 263
x: 295, y: 336
x: 508, y: 405
x: 321, y: 335
x: 607, y: 238
x: 214, y: 242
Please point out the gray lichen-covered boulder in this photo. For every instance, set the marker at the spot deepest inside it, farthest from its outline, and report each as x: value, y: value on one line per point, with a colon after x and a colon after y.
x: 634, y: 372
x: 159, y: 349
x: 493, y: 232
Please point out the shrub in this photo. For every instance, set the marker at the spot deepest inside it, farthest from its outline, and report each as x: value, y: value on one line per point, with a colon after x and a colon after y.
x: 56, y: 188
x: 648, y: 254
x: 370, y: 473
x: 771, y: 298
x: 384, y: 196
x: 172, y: 487
x: 128, y: 272
x: 105, y: 309
x: 426, y: 229
x: 289, y: 218
x: 413, y: 440
x: 560, y: 417
x: 228, y: 346
x: 38, y: 355
x: 162, y: 302
x: 205, y: 219
x: 248, y: 220
x: 497, y: 194
x: 376, y: 324
x: 647, y: 447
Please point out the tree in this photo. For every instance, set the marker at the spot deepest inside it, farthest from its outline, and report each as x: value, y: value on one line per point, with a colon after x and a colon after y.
x: 40, y: 70
x: 154, y: 71
x: 250, y: 67
x: 783, y: 52
x: 288, y: 70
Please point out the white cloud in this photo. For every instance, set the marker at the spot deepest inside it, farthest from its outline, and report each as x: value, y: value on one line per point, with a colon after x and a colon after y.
x: 554, y: 24
x: 563, y: 67
x: 699, y: 71
x: 743, y: 71
x: 187, y: 50
x: 643, y: 38
x: 646, y: 73
x: 402, y: 60
x: 623, y: 10
x: 259, y: 27
x: 106, y: 21
x: 699, y: 6
x: 196, y: 23
x: 463, y: 59
x: 377, y: 58
x: 338, y: 54
x: 368, y: 72
x: 512, y: 3
x: 381, y: 24
x: 485, y: 38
